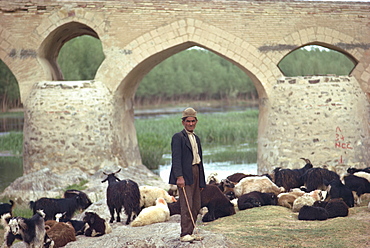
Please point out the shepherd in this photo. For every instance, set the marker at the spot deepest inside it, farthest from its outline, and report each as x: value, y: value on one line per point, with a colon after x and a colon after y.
x: 187, y: 172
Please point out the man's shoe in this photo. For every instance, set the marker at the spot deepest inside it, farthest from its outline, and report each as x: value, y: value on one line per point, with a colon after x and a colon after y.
x: 197, y: 237
x: 187, y: 238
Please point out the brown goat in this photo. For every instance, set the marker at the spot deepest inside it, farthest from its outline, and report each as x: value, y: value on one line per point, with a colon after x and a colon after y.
x: 61, y: 233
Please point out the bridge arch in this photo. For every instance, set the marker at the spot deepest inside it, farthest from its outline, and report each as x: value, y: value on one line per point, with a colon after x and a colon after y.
x: 148, y: 50
x: 66, y: 24
x: 335, y: 40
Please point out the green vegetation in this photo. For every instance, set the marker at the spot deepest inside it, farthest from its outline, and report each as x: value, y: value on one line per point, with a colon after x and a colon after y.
x: 9, y: 90
x: 233, y: 129
x: 12, y: 142
x: 305, y: 62
x: 80, y: 186
x: 80, y: 58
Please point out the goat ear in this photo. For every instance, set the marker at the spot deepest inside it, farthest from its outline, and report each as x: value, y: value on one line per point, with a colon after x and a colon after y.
x: 22, y: 224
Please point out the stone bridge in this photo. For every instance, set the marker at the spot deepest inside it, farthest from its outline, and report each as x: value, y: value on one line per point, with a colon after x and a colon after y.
x: 89, y: 124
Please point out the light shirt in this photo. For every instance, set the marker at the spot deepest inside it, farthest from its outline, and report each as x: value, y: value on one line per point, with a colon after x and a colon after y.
x: 194, y: 146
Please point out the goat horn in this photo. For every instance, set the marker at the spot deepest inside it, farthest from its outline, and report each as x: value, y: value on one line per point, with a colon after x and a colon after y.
x: 117, y: 171
x: 306, y: 160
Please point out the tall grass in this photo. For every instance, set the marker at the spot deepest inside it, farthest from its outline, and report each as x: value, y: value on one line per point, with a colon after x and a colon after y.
x: 231, y: 129
x: 12, y: 142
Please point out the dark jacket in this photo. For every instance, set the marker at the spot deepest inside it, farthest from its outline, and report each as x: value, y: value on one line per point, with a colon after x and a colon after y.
x: 182, y: 158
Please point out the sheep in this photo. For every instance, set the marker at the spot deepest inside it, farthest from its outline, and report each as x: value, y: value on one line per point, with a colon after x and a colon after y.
x: 286, y: 199
x: 256, y: 199
x: 96, y: 226
x: 335, y: 207
x: 308, y: 199
x: 149, y: 195
x: 59, y: 232
x: 217, y: 203
x: 31, y: 231
x: 337, y: 189
x: 290, y: 178
x: 318, y: 178
x: 52, y: 206
x: 6, y: 207
x: 258, y: 183
x: 124, y: 193
x: 312, y: 213
x: 153, y: 214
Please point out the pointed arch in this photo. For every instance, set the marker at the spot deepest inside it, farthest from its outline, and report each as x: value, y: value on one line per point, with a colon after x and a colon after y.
x: 135, y: 60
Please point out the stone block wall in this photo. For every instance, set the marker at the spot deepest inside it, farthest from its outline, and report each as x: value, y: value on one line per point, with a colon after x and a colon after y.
x: 320, y: 118
x: 71, y: 124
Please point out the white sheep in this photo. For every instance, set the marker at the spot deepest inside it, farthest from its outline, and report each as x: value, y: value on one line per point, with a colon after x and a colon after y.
x: 149, y: 195
x: 256, y: 183
x: 287, y: 199
x: 153, y: 214
x: 308, y: 199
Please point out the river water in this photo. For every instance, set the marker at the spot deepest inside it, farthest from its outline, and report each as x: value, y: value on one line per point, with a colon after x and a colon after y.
x: 12, y: 167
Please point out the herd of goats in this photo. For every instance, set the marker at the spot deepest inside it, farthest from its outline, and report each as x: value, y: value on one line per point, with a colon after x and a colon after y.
x: 314, y: 193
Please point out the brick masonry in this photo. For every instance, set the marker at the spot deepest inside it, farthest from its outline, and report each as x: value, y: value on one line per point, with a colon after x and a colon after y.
x: 89, y: 124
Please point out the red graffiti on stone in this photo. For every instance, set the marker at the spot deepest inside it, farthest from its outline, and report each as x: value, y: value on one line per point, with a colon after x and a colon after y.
x: 340, y: 141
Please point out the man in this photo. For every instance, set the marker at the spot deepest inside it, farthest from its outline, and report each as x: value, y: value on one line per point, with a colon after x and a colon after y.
x: 187, y: 173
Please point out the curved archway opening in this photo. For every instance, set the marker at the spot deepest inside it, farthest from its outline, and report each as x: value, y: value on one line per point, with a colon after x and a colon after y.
x: 224, y: 96
x: 11, y: 126
x: 317, y: 59
x: 80, y: 58
x: 51, y: 46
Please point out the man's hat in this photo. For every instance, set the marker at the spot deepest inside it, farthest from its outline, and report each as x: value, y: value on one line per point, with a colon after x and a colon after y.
x: 189, y: 112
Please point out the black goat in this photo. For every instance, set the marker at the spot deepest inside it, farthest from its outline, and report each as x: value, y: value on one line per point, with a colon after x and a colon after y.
x: 312, y: 213
x: 52, y: 206
x: 256, y: 199
x: 6, y: 207
x: 85, y: 200
x: 335, y: 207
x: 78, y: 225
x: 354, y: 170
x: 31, y: 231
x: 337, y: 189
x: 217, y: 203
x: 318, y: 178
x: 124, y: 193
x: 358, y: 184
x: 97, y: 226
x: 290, y: 178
